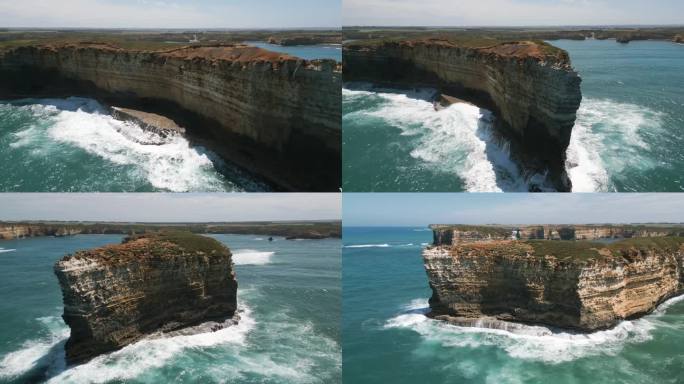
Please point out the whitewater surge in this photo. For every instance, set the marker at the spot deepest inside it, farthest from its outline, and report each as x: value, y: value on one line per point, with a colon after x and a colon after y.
x: 529, y: 342
x: 63, y: 129
x: 458, y: 139
x: 2, y: 250
x: 251, y: 257
x: 609, y: 139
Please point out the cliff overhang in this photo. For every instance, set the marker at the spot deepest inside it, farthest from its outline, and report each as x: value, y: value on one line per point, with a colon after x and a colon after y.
x: 275, y: 115
x: 529, y: 86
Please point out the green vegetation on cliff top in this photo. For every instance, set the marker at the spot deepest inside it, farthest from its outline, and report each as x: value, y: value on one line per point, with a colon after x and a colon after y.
x: 586, y: 250
x: 190, y: 242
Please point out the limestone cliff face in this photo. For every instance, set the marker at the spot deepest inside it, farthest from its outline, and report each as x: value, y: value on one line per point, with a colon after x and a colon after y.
x: 12, y: 231
x: 459, y: 234
x: 516, y: 281
x: 272, y: 113
x: 534, y: 94
x: 116, y: 295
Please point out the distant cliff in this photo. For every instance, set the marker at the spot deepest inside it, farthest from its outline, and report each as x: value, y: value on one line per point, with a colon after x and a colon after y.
x: 577, y: 285
x: 276, y: 115
x: 289, y: 230
x: 531, y: 88
x: 116, y: 295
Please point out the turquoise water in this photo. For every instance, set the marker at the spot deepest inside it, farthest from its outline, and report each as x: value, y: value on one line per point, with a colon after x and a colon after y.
x: 387, y: 339
x: 75, y: 145
x: 627, y: 136
x: 308, y: 52
x: 289, y: 295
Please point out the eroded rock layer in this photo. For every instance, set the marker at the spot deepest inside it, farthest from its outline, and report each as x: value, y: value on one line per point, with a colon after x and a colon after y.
x: 274, y: 114
x: 457, y: 234
x: 531, y: 88
x: 118, y: 294
x: 575, y: 285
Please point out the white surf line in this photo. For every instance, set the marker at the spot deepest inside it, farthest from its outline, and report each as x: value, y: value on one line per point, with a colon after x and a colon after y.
x: 530, y: 342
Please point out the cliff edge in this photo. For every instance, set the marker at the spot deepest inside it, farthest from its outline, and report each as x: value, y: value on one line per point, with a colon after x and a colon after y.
x: 154, y: 283
x: 578, y: 285
x: 275, y: 115
x: 530, y: 86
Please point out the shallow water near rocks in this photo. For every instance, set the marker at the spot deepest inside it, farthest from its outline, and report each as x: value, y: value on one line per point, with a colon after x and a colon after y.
x: 387, y: 338
x: 288, y: 331
x: 627, y: 136
x: 75, y: 145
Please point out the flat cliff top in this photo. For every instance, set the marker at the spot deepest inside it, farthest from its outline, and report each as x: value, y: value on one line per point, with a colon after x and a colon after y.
x: 523, y: 49
x: 240, y: 53
x: 507, y: 228
x: 158, y: 246
x: 571, y: 250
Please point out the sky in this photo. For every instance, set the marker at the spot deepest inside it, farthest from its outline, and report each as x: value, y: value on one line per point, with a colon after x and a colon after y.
x: 171, y: 13
x: 421, y: 209
x: 511, y: 12
x: 169, y: 207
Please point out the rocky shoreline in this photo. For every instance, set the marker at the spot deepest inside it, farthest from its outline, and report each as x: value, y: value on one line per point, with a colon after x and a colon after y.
x: 478, y: 276
x: 274, y: 115
x: 529, y: 86
x: 150, y: 284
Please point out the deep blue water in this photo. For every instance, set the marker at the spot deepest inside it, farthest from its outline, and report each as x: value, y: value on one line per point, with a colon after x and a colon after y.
x: 289, y: 292
x: 308, y: 52
x: 387, y: 339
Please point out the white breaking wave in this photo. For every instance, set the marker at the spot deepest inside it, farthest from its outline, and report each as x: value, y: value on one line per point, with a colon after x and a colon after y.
x: 134, y: 359
x: 83, y: 123
x: 6, y: 250
x: 367, y: 246
x: 35, y: 353
x: 536, y: 343
x: 251, y: 257
x: 608, y: 138
x: 458, y: 139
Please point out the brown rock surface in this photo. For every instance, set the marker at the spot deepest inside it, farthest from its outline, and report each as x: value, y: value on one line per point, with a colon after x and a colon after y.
x: 568, y: 284
x: 531, y: 88
x: 118, y: 294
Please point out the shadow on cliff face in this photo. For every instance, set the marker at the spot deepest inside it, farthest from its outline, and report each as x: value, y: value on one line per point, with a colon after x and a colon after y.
x: 458, y: 139
x: 291, y: 168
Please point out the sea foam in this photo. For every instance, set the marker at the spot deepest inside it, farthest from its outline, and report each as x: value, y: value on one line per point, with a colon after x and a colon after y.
x: 63, y: 125
x: 609, y: 138
x: 251, y: 257
x: 529, y: 342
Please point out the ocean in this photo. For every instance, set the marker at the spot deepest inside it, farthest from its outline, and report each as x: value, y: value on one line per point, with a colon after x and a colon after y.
x: 75, y: 145
x: 386, y: 337
x: 627, y: 136
x: 308, y: 52
x: 289, y: 292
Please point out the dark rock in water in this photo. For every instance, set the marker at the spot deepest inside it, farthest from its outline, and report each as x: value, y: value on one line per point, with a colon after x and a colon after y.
x: 155, y: 283
x: 160, y: 126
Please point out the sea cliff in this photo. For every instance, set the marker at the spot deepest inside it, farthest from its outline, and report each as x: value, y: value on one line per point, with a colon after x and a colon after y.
x: 530, y: 86
x: 273, y: 114
x: 151, y: 284
x: 578, y: 285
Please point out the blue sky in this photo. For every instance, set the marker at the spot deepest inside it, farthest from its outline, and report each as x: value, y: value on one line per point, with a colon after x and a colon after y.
x: 419, y: 209
x: 512, y: 12
x: 171, y: 13
x: 169, y: 207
